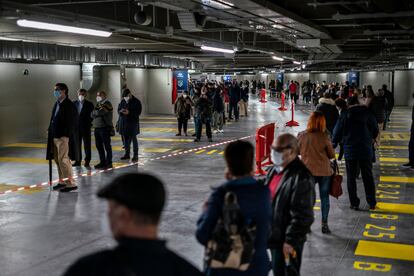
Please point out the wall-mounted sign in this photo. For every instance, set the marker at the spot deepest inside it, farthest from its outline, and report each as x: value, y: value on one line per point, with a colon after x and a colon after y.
x: 353, y: 78
x: 226, y: 78
x: 182, y: 79
x: 280, y: 77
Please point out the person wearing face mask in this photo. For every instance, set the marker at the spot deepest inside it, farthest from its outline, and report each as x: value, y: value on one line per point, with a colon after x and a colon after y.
x: 202, y: 115
x: 62, y: 126
x: 292, y: 194
x: 183, y: 109
x: 102, y: 122
x: 342, y: 107
x: 134, y: 213
x: 129, y: 111
x: 84, y: 109
x: 316, y: 151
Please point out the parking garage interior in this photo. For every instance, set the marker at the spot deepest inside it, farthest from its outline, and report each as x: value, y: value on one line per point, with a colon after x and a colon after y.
x: 141, y: 45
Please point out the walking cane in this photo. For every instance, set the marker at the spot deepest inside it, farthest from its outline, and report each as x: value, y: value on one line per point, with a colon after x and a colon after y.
x: 50, y: 174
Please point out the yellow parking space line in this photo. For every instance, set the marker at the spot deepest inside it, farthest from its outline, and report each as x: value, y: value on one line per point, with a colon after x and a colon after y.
x: 221, y: 152
x: 161, y: 129
x: 177, y: 150
x: 27, y: 145
x: 318, y: 200
x: 24, y: 160
x: 397, y: 179
x: 393, y: 147
x: 316, y: 208
x: 392, y: 159
x: 5, y: 187
x: 156, y: 150
x: 211, y: 152
x: 200, y: 151
x: 395, y: 207
x: 158, y: 118
x: 386, y: 250
x: 166, y: 140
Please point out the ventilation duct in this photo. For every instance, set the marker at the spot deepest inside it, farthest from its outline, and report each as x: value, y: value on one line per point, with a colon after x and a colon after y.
x: 188, y: 22
x: 91, y: 76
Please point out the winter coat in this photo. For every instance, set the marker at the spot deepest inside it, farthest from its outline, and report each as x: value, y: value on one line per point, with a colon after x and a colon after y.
x: 292, y: 205
x: 244, y: 94
x: 328, y: 108
x: 102, y: 114
x: 377, y: 106
x: 183, y: 107
x: 316, y: 151
x: 129, y: 124
x: 254, y: 201
x: 357, y: 131
x: 218, y: 104
x: 389, y: 96
x: 235, y: 94
x: 203, y: 108
x: 62, y: 124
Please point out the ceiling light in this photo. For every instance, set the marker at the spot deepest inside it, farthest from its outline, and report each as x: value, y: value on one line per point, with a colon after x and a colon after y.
x: 61, y: 28
x: 277, y: 26
x: 9, y: 38
x: 277, y: 58
x: 216, y: 49
x: 296, y: 62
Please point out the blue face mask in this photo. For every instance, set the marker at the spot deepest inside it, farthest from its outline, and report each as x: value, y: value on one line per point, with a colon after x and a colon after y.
x: 56, y: 93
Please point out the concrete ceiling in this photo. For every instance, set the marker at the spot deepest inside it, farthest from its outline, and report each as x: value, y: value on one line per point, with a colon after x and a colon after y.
x: 349, y: 34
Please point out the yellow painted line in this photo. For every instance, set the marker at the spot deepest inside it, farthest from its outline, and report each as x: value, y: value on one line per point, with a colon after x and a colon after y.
x: 316, y: 208
x: 200, y: 151
x: 159, y: 118
x: 161, y: 129
x: 392, y: 159
x: 27, y: 145
x: 398, y: 179
x: 166, y: 140
x: 156, y: 150
x: 396, y: 207
x: 24, y: 160
x: 393, y: 147
x: 5, y: 187
x: 177, y: 150
x: 221, y: 152
x: 211, y: 152
x: 318, y: 200
x: 386, y: 250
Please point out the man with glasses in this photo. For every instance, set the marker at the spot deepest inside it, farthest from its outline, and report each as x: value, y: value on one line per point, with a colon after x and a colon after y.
x: 293, y: 197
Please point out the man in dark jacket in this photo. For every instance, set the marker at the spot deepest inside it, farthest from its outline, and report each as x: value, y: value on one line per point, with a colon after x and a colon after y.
x: 389, y: 97
x: 218, y: 111
x: 358, y: 132
x: 84, y: 108
x: 327, y: 107
x: 292, y: 190
x: 62, y: 124
x: 410, y: 164
x: 253, y: 199
x: 134, y: 213
x: 235, y: 96
x: 129, y: 111
x: 102, y: 122
x: 202, y: 115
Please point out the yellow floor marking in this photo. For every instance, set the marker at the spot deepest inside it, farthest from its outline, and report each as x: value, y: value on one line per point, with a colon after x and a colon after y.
x: 27, y: 145
x: 318, y: 200
x: 391, y: 159
x: 32, y: 190
x: 156, y: 150
x: 159, y: 118
x: 396, y: 207
x: 398, y: 179
x: 24, y: 160
x: 5, y: 187
x: 385, y: 250
x: 161, y: 123
x: 316, y: 208
x: 200, y: 151
x: 161, y: 129
x: 177, y: 150
x: 211, y: 152
x: 394, y: 147
x: 221, y: 152
x: 166, y: 140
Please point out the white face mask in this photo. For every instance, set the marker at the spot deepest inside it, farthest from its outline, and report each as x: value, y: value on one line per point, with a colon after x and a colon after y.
x: 98, y: 99
x: 185, y: 96
x: 81, y: 98
x: 276, y: 158
x: 126, y: 98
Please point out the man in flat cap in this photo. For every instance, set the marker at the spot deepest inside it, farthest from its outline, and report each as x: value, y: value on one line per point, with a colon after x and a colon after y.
x: 135, y: 204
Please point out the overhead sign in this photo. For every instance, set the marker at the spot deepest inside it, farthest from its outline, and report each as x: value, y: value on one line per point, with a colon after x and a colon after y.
x: 182, y: 80
x: 353, y: 78
x: 279, y: 77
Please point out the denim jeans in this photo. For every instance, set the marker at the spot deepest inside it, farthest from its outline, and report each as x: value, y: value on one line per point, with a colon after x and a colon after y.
x: 324, y: 183
x: 128, y: 140
x: 103, y: 145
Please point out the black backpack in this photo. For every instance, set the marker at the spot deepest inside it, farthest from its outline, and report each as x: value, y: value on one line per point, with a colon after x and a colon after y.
x: 232, y: 241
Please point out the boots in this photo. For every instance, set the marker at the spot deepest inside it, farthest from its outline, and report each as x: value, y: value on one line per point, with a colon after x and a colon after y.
x: 325, y: 228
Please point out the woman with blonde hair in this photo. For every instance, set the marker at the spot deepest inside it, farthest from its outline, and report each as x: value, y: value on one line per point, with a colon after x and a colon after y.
x: 316, y: 150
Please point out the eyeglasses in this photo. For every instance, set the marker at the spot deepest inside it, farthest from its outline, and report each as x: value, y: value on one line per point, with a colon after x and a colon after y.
x: 281, y: 149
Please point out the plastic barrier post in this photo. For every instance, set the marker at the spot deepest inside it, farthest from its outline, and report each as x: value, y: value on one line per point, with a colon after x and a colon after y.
x: 264, y: 140
x: 283, y: 108
x: 292, y: 122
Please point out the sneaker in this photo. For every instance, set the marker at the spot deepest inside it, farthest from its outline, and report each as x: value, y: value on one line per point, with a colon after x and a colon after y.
x: 68, y: 189
x: 325, y: 229
x: 125, y: 157
x: 407, y: 166
x: 99, y: 166
x: 215, y: 131
x: 178, y: 134
x: 58, y: 186
x: 221, y: 131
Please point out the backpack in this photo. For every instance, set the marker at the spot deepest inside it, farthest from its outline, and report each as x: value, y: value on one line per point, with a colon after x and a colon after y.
x: 232, y: 241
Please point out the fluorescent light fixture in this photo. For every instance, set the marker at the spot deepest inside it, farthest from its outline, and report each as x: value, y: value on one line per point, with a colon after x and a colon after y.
x: 303, y: 66
x: 216, y: 49
x: 296, y: 62
x: 9, y: 38
x: 220, y: 4
x: 61, y: 28
x: 277, y: 58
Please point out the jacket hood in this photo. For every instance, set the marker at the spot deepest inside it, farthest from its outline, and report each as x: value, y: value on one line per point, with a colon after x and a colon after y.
x: 326, y: 101
x: 358, y: 113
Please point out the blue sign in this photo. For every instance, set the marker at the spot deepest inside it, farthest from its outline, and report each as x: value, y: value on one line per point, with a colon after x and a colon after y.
x: 182, y: 79
x: 353, y: 78
x: 226, y: 78
x: 280, y: 77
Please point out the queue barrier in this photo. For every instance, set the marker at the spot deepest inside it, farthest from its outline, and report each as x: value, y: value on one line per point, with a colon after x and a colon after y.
x: 283, y: 98
x: 292, y: 122
x: 264, y: 140
x: 263, y: 95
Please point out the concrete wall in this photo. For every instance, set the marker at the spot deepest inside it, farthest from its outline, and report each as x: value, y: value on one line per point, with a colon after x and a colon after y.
x: 159, y: 91
x: 300, y: 77
x: 328, y: 77
x: 404, y: 87
x: 136, y: 81
x: 376, y: 79
x: 26, y: 101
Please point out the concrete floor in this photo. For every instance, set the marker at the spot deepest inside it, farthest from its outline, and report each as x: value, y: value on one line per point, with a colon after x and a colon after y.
x: 43, y: 232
